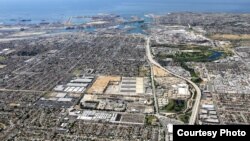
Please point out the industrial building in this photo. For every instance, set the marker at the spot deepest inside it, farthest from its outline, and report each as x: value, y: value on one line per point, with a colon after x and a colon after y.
x: 208, y: 114
x: 77, y: 85
x: 180, y: 91
x: 131, y: 85
x: 66, y: 95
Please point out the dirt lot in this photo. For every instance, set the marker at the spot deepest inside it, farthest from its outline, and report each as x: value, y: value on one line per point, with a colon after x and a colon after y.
x: 101, y: 83
x: 168, y: 81
x: 231, y: 36
x: 158, y: 72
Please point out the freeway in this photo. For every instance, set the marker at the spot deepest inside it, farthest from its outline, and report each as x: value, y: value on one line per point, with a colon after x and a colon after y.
x: 197, y: 89
x: 153, y: 88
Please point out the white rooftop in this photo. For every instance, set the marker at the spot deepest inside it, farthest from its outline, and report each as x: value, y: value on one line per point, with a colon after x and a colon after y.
x: 61, y: 94
x: 64, y: 99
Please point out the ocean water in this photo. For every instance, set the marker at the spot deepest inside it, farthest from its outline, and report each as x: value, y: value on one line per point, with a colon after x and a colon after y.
x: 57, y: 10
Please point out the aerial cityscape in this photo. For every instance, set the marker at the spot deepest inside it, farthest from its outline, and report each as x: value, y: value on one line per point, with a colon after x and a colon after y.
x: 110, y: 76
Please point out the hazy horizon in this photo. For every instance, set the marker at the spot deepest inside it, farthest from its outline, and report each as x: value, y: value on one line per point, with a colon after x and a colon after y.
x: 58, y: 9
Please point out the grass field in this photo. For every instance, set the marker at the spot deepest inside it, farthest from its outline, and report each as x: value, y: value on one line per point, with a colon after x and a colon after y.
x: 144, y: 71
x: 2, y: 58
x: 185, y: 117
x: 175, y: 106
x: 194, y: 54
x: 150, y: 119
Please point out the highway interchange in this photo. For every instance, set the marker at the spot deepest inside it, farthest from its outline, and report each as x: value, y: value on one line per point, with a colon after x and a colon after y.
x: 195, y: 109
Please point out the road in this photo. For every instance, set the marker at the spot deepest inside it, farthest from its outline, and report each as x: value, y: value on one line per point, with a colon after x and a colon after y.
x: 28, y: 91
x: 197, y: 89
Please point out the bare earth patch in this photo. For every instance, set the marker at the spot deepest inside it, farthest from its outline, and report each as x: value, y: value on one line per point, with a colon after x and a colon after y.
x: 158, y: 72
x: 101, y: 83
x: 231, y: 36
